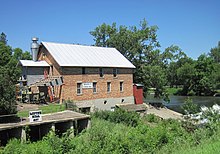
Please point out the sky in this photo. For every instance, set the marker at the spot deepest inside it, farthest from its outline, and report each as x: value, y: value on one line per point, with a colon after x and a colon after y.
x: 193, y: 25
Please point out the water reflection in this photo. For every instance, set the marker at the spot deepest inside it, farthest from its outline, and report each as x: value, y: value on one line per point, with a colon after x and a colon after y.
x: 177, y: 101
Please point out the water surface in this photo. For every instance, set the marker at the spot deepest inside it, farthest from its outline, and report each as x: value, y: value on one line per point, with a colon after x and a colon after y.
x: 177, y: 101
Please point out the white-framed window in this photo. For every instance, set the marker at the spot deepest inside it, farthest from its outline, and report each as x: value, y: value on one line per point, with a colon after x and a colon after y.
x: 115, y: 72
x: 94, y: 87
x: 79, y: 88
x: 101, y: 73
x: 108, y: 86
x: 121, y: 86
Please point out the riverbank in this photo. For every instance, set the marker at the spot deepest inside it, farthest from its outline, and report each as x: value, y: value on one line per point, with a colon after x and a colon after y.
x: 164, y: 112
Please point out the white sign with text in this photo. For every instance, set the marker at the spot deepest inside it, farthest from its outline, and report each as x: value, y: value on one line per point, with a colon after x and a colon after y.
x: 35, y: 116
x: 87, y: 85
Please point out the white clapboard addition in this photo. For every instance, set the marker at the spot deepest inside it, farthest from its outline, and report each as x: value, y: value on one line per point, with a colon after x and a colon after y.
x: 87, y: 85
x: 35, y: 116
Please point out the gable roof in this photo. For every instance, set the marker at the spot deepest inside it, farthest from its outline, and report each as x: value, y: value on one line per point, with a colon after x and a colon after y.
x: 33, y: 63
x: 86, y: 56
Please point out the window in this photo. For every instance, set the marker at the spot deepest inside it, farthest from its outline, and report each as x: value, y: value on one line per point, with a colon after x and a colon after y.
x: 79, y: 88
x: 121, y: 86
x: 115, y: 72
x: 108, y: 86
x: 94, y: 87
x: 83, y: 70
x: 101, y: 72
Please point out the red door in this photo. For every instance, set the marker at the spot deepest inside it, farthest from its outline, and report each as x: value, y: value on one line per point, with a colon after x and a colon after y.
x: 138, y: 93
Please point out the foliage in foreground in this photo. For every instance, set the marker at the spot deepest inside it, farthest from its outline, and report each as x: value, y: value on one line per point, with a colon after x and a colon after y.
x: 119, y: 116
x: 150, y: 135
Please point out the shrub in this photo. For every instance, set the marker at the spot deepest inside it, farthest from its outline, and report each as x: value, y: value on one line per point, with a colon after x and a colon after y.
x: 151, y: 118
x: 119, y: 116
x: 189, y: 107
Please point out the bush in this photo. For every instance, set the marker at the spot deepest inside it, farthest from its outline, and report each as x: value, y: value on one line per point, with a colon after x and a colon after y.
x: 151, y: 118
x: 189, y: 107
x: 119, y: 116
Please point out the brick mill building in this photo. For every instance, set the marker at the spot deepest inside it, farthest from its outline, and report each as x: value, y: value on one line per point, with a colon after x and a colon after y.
x: 90, y: 76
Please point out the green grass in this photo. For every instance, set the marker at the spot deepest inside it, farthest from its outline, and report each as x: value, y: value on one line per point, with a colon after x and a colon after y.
x: 51, y: 108
x: 172, y: 91
x: 218, y: 91
x: 208, y: 147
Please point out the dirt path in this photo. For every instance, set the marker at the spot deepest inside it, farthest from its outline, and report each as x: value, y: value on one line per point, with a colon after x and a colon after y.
x: 26, y: 106
x: 164, y: 113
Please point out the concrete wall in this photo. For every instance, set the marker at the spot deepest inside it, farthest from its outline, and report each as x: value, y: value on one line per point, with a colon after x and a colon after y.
x: 8, y: 134
x: 104, y: 103
x: 38, y: 131
x: 62, y: 127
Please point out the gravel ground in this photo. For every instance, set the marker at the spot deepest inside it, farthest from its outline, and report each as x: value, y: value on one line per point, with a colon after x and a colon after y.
x: 26, y: 106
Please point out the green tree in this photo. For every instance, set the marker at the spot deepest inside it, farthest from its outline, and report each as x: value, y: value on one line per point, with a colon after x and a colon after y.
x: 189, y: 107
x: 185, y: 73
x: 204, y: 68
x: 9, y: 74
x: 215, y: 53
x: 137, y: 44
x: 7, y: 80
x: 3, y: 38
x: 172, y: 57
x: 155, y: 77
x: 6, y: 53
x: 102, y: 34
x: 215, y: 76
x: 18, y: 54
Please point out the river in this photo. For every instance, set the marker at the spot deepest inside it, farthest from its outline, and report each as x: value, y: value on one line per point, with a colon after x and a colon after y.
x: 177, y: 101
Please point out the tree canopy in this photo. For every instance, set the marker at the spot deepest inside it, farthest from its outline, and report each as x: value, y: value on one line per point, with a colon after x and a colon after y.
x: 215, y: 53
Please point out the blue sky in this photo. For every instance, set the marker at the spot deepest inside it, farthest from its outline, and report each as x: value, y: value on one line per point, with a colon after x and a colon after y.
x: 193, y: 25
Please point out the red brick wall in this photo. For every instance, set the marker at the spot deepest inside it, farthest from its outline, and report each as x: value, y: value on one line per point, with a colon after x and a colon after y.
x: 45, y: 55
x: 70, y: 87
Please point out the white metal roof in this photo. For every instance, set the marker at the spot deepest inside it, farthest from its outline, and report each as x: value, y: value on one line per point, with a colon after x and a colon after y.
x: 33, y: 63
x: 86, y: 56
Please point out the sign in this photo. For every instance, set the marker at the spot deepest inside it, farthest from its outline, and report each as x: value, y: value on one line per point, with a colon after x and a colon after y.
x: 87, y: 85
x: 35, y: 116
